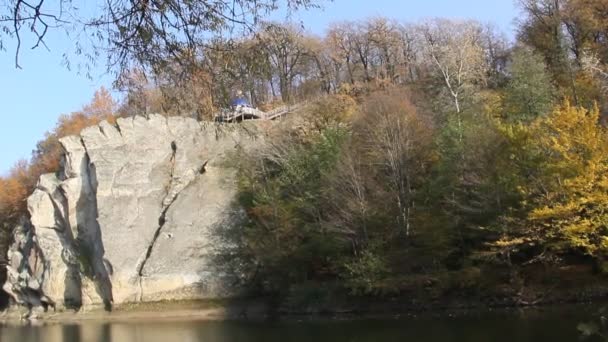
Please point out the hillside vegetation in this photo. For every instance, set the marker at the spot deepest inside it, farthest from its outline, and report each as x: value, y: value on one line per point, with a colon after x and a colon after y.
x: 433, y: 159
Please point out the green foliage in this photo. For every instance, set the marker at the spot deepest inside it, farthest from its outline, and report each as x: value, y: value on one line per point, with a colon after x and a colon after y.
x: 529, y: 93
x: 284, y: 202
x: 364, y: 273
x: 309, y: 297
x: 382, y: 201
x: 473, y: 181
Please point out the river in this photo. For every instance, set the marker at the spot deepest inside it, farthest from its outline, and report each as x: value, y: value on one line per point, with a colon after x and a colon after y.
x: 555, y: 325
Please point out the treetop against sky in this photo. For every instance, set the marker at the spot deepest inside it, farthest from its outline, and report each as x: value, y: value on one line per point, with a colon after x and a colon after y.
x: 45, y: 87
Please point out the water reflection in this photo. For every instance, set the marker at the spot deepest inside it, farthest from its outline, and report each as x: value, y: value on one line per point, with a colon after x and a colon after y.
x: 475, y: 329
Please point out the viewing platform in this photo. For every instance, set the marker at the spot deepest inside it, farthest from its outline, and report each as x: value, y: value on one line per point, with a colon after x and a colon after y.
x: 241, y: 113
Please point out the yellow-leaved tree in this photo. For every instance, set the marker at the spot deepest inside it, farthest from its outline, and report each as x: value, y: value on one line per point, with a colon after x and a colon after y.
x: 569, y: 192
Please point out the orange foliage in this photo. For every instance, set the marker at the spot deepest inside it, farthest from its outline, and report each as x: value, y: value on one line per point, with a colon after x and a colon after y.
x: 14, y: 190
x: 102, y: 107
x: 23, y: 177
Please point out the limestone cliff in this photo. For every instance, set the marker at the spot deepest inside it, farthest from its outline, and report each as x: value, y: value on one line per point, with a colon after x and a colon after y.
x: 135, y: 215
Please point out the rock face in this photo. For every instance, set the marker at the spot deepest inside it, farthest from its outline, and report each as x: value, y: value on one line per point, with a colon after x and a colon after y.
x: 137, y: 214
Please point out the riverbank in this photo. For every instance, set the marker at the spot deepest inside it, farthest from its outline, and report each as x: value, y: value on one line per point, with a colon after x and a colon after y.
x: 260, y: 309
x: 210, y: 310
x: 542, y: 288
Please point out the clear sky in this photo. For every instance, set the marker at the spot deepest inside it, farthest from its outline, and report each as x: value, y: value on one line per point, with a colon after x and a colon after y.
x: 31, y: 99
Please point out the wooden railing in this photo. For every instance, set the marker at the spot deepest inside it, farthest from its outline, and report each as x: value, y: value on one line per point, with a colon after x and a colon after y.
x: 248, y: 113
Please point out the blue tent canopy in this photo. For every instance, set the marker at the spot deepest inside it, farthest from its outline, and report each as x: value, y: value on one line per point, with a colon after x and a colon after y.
x: 240, y: 101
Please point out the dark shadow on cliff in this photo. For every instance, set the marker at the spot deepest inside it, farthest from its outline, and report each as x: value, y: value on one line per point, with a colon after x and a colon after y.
x: 89, y: 242
x: 72, y: 287
x: 72, y: 283
x: 5, y: 242
x: 234, y: 267
x: 4, y: 297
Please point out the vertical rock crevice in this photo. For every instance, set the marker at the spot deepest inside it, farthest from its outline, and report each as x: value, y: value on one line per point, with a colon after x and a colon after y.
x: 174, y: 189
x: 89, y: 239
x: 166, y: 204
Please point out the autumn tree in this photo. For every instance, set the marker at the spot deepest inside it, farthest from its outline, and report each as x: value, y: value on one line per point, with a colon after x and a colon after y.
x: 286, y: 51
x: 141, y: 96
x: 542, y: 28
x: 377, y: 49
x: 568, y: 200
x: 385, y: 40
x: 324, y: 68
x: 497, y: 51
x: 341, y: 37
x: 102, y: 106
x: 361, y: 44
x: 399, y: 141
x: 457, y: 63
x: 454, y: 49
x: 596, y: 69
x: 186, y: 91
x: 351, y: 199
x: 585, y: 23
x: 409, y: 65
x: 238, y: 65
x: 14, y: 189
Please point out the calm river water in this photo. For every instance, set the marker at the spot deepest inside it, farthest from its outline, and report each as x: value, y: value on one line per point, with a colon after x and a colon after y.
x: 546, y: 325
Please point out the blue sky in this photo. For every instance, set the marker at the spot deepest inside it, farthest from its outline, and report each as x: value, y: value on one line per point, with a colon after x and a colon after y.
x: 33, y: 98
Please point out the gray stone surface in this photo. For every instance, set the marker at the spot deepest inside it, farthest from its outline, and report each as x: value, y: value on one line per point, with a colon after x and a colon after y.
x: 137, y: 214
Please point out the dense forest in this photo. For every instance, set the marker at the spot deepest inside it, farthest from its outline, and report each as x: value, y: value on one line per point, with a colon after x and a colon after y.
x: 431, y: 158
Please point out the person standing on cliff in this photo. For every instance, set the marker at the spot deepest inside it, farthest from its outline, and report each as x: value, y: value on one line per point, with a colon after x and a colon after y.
x: 239, y: 101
